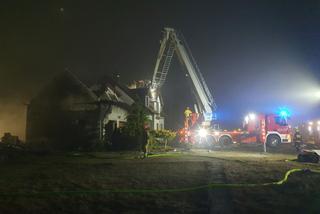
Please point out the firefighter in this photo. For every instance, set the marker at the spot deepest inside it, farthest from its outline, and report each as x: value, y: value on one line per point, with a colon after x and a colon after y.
x: 297, y: 139
x: 145, y: 140
x: 194, y: 118
x: 188, y: 115
x: 187, y: 112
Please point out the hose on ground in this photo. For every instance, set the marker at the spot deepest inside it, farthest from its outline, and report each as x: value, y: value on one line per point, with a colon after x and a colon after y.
x: 168, y: 190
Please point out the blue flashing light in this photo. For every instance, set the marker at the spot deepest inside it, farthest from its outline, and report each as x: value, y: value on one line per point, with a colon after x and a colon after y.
x: 214, y: 116
x: 208, y: 116
x: 284, y: 113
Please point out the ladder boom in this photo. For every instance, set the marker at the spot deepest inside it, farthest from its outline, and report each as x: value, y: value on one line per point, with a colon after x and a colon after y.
x: 163, y: 61
x: 174, y: 42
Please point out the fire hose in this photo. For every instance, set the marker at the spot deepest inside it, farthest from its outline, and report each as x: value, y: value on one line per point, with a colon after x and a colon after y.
x: 168, y: 190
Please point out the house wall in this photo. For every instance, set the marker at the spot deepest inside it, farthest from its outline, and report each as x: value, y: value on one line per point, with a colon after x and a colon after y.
x: 116, y: 114
x: 62, y: 128
x: 158, y: 122
x: 156, y: 106
x: 62, y: 115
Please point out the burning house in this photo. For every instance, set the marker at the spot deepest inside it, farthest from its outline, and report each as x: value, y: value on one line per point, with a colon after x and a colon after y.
x: 67, y: 114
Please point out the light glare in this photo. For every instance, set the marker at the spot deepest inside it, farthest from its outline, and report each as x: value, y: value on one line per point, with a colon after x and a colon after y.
x: 246, y: 119
x: 252, y: 116
x: 203, y: 132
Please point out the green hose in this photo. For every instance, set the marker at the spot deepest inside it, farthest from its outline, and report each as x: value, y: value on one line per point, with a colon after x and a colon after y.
x: 170, y: 190
x: 165, y: 155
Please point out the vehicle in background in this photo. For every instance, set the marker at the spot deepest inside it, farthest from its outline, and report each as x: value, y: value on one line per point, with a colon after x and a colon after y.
x: 310, y: 131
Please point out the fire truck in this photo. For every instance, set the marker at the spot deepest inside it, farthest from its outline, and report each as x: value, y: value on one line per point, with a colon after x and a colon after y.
x: 269, y: 129
x: 200, y: 124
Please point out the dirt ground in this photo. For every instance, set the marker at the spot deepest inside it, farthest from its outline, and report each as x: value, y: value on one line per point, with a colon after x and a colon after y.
x: 72, y: 183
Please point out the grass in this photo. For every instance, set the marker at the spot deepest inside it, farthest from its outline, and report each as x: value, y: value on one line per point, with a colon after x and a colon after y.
x: 97, y: 171
x: 65, y: 172
x: 299, y: 195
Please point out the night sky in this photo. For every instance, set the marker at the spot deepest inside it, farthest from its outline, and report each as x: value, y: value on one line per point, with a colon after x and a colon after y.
x: 255, y: 55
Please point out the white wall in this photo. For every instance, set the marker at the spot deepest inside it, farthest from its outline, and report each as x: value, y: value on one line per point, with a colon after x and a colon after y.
x: 117, y: 114
x: 158, y: 122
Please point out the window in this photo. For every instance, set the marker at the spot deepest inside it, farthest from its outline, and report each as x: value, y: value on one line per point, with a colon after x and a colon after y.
x: 281, y: 121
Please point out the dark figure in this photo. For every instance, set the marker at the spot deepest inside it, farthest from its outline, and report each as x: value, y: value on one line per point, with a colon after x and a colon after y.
x: 144, y: 142
x: 297, y: 139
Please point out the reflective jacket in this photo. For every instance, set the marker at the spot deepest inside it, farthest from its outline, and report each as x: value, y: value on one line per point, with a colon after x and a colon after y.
x: 297, y: 137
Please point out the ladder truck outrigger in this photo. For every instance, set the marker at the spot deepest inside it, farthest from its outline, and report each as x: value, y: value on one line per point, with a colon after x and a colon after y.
x: 200, y: 125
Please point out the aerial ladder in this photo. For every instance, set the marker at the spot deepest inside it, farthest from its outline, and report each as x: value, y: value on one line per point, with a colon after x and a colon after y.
x: 174, y: 42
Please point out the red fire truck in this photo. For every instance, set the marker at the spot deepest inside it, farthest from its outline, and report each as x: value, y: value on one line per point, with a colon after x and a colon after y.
x: 272, y: 129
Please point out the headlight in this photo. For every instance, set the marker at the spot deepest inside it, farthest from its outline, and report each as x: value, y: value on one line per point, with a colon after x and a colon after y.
x: 246, y: 119
x: 203, y: 132
x: 252, y: 116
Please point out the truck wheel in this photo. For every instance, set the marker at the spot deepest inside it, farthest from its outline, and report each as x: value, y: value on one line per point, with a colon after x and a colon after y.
x: 273, y: 140
x: 225, y: 141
